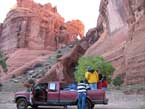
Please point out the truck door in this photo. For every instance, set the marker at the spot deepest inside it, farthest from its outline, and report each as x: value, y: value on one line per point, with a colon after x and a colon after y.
x: 68, y: 96
x: 53, y: 93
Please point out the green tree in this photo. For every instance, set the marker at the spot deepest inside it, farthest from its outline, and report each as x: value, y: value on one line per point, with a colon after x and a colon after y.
x: 117, y: 81
x: 3, y: 62
x: 97, y: 62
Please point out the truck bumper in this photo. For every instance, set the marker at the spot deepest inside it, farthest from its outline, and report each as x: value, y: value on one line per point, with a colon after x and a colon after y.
x: 102, y: 101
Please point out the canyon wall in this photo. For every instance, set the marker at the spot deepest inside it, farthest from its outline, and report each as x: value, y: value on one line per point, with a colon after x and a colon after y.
x: 120, y: 29
x: 35, y: 26
x: 118, y: 36
x: 31, y: 32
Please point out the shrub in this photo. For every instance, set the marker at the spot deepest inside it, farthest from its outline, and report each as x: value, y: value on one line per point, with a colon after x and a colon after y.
x: 117, y: 81
x: 1, y: 86
x: 97, y: 62
x: 3, y: 62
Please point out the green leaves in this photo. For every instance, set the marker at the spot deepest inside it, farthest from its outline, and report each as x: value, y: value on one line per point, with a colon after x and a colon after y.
x: 117, y: 81
x: 97, y: 62
x: 3, y: 62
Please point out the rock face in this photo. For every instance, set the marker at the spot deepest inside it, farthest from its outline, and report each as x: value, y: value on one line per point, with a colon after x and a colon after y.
x: 35, y: 26
x: 64, y: 69
x: 31, y: 32
x: 23, y: 59
x: 121, y: 34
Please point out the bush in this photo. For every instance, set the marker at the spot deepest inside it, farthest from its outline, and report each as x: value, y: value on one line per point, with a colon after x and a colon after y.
x: 1, y: 84
x: 117, y: 81
x: 97, y: 62
x: 3, y: 62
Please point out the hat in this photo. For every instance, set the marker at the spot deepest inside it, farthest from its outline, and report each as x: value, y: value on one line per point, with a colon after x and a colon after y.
x: 90, y: 68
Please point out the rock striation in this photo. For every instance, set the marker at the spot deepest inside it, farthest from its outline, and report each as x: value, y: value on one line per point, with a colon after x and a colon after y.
x: 121, y: 34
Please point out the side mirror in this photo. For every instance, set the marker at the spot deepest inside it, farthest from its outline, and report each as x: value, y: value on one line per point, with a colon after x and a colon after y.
x: 52, y: 86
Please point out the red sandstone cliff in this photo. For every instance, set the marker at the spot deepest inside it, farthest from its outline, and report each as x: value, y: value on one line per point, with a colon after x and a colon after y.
x: 119, y: 37
x: 35, y: 26
x: 121, y: 34
x: 31, y: 32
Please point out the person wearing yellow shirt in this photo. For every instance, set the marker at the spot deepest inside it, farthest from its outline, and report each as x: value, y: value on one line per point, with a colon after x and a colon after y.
x: 92, y: 78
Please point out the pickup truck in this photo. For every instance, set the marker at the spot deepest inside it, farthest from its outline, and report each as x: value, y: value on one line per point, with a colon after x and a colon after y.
x: 52, y: 94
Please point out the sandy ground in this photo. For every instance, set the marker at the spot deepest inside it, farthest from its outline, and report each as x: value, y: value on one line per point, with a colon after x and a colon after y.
x: 117, y: 100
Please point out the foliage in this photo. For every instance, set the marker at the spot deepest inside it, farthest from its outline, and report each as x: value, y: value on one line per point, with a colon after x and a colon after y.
x: 117, y: 81
x: 1, y: 86
x: 97, y: 62
x: 3, y: 62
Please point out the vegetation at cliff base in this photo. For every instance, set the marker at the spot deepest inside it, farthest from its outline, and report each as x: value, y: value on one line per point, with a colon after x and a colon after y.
x: 117, y: 81
x: 97, y: 62
x: 3, y: 62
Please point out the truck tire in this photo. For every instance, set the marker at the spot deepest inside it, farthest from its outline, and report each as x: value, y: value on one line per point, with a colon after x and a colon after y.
x: 88, y: 105
x: 22, y: 103
x: 34, y: 107
x: 65, y: 107
x: 105, y: 101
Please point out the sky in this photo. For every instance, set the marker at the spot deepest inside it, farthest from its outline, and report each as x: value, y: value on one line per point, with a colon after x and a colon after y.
x: 85, y: 10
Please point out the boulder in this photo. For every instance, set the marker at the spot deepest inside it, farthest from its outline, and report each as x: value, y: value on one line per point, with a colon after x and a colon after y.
x: 63, y: 70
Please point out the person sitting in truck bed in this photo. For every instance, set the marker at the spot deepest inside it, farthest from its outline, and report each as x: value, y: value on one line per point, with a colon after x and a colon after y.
x: 104, y: 83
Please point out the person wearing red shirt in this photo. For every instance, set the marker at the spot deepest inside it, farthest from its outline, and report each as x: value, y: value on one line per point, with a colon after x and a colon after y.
x: 99, y: 84
x: 104, y: 83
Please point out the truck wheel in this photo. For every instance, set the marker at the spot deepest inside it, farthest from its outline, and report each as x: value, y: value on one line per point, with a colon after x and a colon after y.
x: 88, y: 105
x: 34, y: 107
x: 22, y: 103
x: 65, y: 107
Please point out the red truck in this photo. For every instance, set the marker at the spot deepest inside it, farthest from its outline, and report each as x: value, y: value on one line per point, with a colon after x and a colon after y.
x: 52, y: 94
